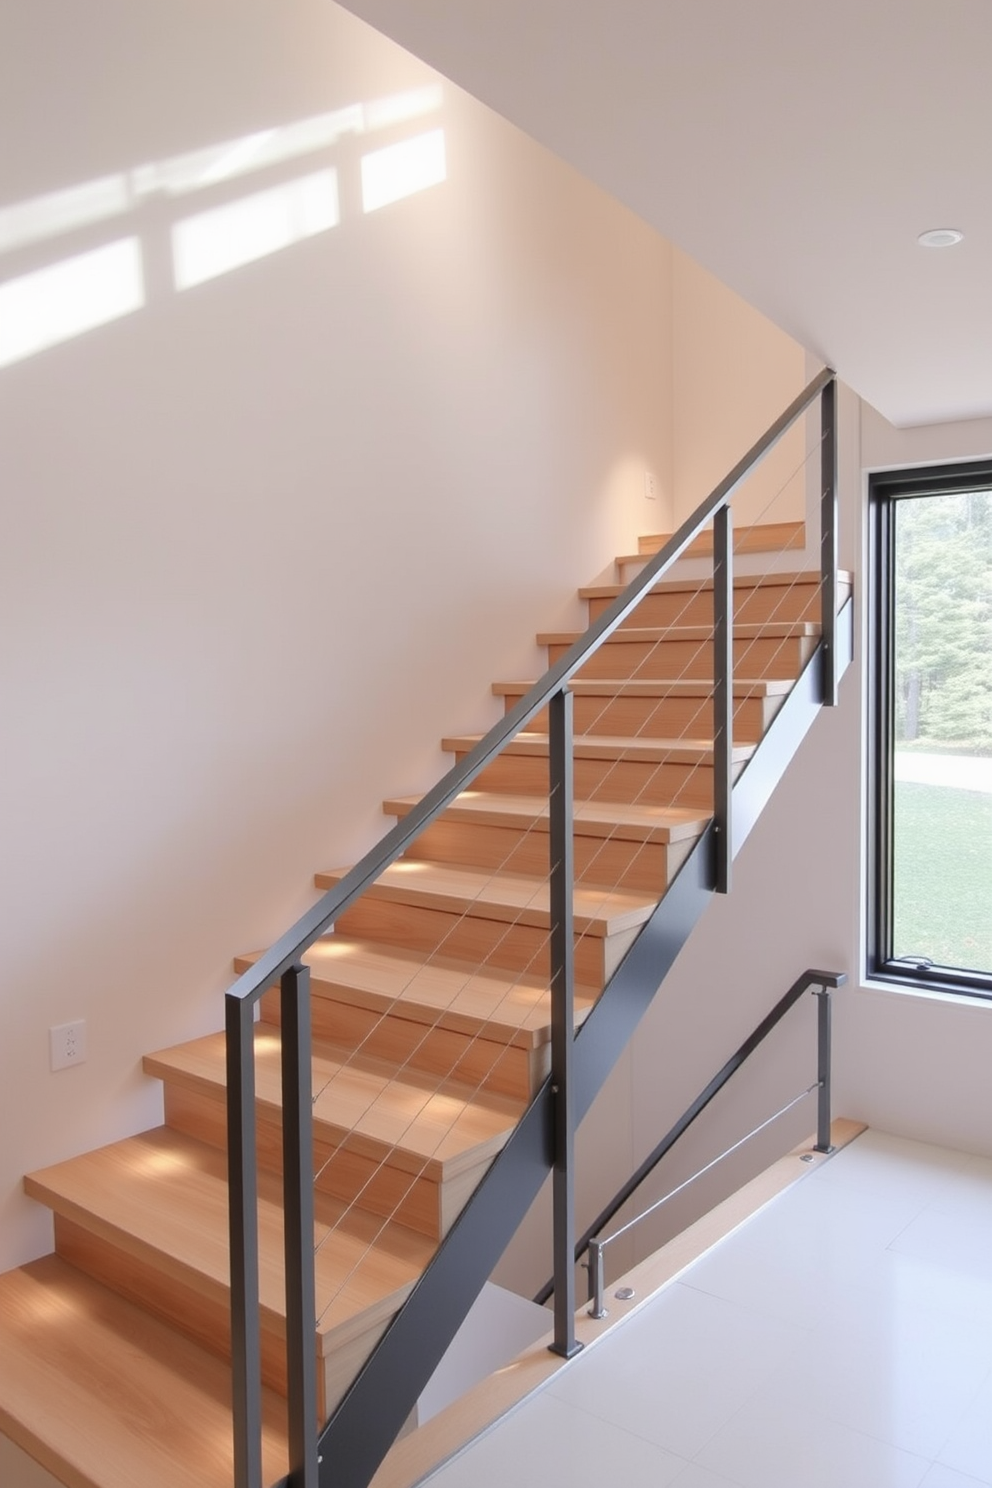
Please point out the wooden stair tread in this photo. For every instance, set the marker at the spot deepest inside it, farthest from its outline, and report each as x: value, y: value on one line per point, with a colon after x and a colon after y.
x: 162, y: 1197
x: 772, y: 629
x: 408, y: 1121
x: 761, y: 687
x: 440, y: 992
x: 611, y: 746
x: 503, y: 896
x: 762, y: 537
x: 627, y: 820
x: 105, y: 1396
x: 694, y: 586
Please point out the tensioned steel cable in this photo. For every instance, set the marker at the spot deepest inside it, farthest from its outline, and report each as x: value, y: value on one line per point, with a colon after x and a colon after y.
x: 437, y: 953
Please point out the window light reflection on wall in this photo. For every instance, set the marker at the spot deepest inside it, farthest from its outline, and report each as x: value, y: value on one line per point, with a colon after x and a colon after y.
x: 65, y: 299
x: 400, y: 170
x: 240, y: 232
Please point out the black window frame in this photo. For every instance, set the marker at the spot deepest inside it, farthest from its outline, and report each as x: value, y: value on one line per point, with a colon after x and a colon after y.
x: 885, y: 489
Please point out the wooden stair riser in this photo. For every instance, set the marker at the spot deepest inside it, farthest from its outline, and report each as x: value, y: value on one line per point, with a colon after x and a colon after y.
x: 675, y: 782
x: 514, y: 947
x: 763, y: 537
x: 476, y: 1061
x: 412, y: 1199
x: 202, y: 1315
x: 671, y: 717
x: 692, y: 660
x: 753, y: 604
x: 609, y: 862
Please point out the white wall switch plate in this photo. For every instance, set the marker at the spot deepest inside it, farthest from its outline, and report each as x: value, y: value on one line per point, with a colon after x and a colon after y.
x: 67, y: 1044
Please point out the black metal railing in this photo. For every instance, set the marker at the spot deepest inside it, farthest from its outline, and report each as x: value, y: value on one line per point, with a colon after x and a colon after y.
x: 821, y: 983
x: 554, y: 1112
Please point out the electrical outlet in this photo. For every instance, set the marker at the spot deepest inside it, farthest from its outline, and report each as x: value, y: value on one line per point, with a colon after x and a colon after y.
x: 67, y: 1044
x: 650, y: 486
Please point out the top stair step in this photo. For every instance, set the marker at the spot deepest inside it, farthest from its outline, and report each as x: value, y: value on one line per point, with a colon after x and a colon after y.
x: 765, y: 537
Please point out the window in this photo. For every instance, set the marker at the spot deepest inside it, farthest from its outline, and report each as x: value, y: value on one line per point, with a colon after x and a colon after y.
x: 930, y: 722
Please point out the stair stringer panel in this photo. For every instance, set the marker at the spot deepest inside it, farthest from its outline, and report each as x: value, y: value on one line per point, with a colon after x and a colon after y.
x: 372, y: 1413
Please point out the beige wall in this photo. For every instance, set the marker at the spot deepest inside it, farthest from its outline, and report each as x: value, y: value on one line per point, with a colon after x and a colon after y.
x: 734, y: 373
x: 266, y: 539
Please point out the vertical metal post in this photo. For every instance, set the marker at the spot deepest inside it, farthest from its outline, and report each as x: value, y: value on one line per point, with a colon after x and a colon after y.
x: 562, y: 1016
x: 597, y: 1280
x: 246, y: 1353
x: 297, y: 1177
x: 828, y: 540
x: 723, y: 694
x: 823, y: 1012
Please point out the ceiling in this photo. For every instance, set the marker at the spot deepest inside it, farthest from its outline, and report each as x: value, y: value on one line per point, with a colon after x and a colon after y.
x: 795, y: 149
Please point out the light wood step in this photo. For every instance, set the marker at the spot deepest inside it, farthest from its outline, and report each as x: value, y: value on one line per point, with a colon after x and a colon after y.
x: 497, y: 920
x: 404, y: 1145
x: 759, y: 597
x: 451, y: 1018
x: 766, y: 537
x: 686, y: 652
x: 616, y: 845
x: 148, y: 1218
x: 660, y: 709
x: 659, y: 772
x: 104, y: 1396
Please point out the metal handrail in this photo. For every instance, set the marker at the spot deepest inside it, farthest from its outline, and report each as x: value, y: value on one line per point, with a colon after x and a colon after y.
x: 824, y: 981
x: 284, y: 953
x: 283, y: 963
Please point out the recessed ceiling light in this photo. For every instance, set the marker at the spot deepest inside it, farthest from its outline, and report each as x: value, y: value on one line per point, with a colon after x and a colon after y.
x: 940, y: 237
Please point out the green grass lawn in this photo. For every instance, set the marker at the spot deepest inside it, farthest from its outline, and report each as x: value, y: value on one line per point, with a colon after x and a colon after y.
x: 943, y: 875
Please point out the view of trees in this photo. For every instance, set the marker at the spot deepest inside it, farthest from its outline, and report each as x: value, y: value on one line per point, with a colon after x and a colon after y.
x: 943, y: 610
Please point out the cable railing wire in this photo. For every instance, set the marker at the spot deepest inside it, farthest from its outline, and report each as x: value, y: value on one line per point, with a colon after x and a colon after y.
x: 604, y: 842
x: 286, y: 953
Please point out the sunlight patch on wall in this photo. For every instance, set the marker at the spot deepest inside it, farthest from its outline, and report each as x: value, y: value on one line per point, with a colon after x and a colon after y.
x: 62, y: 211
x: 215, y: 242
x: 400, y: 170
x: 61, y: 301
x: 225, y: 162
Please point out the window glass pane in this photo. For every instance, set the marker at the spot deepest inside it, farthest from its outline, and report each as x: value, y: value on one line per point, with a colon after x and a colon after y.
x: 942, y: 807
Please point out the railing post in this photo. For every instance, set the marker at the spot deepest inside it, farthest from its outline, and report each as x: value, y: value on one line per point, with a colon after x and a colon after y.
x: 823, y: 1019
x: 297, y: 1177
x: 597, y: 1280
x: 246, y: 1353
x: 562, y: 1016
x: 723, y: 693
x: 828, y: 540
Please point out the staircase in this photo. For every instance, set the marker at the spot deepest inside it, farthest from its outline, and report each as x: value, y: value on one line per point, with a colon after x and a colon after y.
x: 431, y: 1034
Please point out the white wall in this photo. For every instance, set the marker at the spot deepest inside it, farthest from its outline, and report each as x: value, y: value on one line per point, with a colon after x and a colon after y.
x: 734, y: 373
x: 264, y: 540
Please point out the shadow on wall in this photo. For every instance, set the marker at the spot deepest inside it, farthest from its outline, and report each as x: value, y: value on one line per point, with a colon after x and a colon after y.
x: 63, y: 298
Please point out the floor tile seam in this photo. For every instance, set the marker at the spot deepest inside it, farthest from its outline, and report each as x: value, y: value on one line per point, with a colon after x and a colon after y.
x: 816, y: 1411
x: 773, y: 1317
x: 586, y: 1411
x: 966, y: 1412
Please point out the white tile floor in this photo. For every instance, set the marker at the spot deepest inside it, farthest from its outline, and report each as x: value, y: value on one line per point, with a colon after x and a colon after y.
x: 842, y: 1338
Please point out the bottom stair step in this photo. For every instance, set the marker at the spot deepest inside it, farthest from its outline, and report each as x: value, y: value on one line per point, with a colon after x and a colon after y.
x: 148, y: 1217
x: 104, y: 1396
